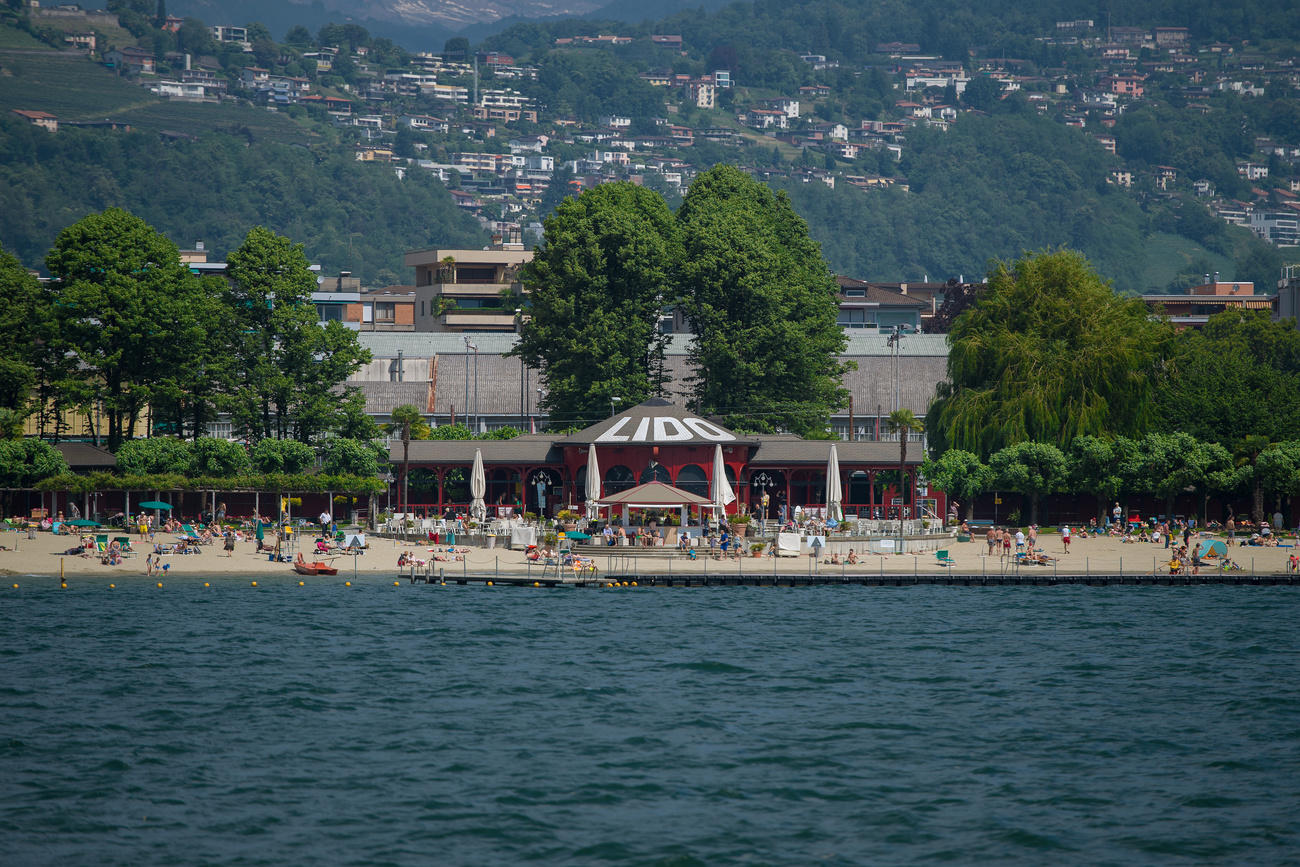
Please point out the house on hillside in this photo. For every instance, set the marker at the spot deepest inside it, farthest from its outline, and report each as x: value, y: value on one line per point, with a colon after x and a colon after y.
x: 43, y: 119
x: 130, y: 61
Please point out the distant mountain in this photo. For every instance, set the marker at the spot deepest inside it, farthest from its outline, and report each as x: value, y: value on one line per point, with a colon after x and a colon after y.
x: 381, y: 16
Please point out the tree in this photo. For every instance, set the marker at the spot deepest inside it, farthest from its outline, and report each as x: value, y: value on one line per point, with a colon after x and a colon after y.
x: 218, y: 457
x: 25, y: 325
x: 406, y: 418
x: 345, y: 457
x: 960, y: 474
x: 299, y: 36
x: 1030, y: 469
x: 281, y: 456
x: 155, y: 456
x: 286, y: 367
x: 597, y: 286
x: 1238, y: 375
x: 1170, y: 464
x: 906, y: 424
x: 25, y: 462
x: 126, y: 309
x: 761, y: 303
x: 1048, y: 352
x: 1102, y: 467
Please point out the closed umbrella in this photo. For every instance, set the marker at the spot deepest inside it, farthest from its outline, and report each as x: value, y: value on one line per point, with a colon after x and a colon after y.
x: 592, y: 492
x: 477, y: 488
x: 722, y: 493
x: 834, y: 492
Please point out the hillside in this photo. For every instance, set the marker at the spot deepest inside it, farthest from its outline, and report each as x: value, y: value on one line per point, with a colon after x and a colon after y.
x: 348, y: 215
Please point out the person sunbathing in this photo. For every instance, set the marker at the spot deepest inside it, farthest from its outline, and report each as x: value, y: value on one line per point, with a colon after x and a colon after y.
x: 852, y: 558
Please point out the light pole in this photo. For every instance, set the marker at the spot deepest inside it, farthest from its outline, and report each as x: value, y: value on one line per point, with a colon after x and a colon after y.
x: 523, y: 375
x: 465, y: 406
x: 895, y: 339
x: 612, y: 402
x: 388, y: 489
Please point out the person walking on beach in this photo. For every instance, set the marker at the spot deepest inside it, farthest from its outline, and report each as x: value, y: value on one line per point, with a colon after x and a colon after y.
x: 148, y: 565
x: 230, y: 543
x: 1232, y: 530
x: 1006, y: 544
x: 991, y: 537
x: 1065, y: 537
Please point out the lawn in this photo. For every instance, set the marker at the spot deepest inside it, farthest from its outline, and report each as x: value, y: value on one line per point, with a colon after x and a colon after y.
x: 73, y: 88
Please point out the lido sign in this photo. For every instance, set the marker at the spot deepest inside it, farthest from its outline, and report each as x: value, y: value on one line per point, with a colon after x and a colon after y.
x: 664, y: 429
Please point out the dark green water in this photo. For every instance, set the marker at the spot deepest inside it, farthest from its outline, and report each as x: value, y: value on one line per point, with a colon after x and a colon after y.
x: 456, y: 725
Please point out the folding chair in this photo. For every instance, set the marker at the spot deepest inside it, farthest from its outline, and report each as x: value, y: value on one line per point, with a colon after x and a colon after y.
x: 943, y: 558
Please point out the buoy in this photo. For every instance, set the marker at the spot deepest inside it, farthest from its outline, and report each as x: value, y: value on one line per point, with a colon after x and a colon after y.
x: 64, y: 585
x: 537, y: 583
x: 253, y: 583
x: 15, y: 586
x: 347, y: 583
x: 112, y: 587
x: 633, y: 583
x: 159, y: 583
x: 489, y: 584
x: 441, y: 583
x: 302, y: 583
x: 395, y: 584
x: 205, y: 584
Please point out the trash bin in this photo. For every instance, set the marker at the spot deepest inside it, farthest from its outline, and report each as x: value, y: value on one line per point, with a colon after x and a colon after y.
x: 491, y: 541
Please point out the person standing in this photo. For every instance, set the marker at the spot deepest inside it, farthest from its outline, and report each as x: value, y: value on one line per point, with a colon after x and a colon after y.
x: 1232, y: 530
x: 1020, y: 540
x: 1065, y: 537
x: 992, y: 539
x: 325, y: 523
x: 1118, y: 514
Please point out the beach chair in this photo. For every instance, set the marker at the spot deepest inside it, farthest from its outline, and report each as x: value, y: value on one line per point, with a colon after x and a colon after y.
x: 124, y: 545
x: 943, y: 558
x: 101, y: 544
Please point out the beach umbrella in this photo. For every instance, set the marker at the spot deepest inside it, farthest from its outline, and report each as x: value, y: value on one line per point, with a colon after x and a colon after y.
x: 722, y: 494
x: 477, y: 487
x: 1212, y: 548
x: 592, y: 491
x: 834, y: 491
x: 154, y: 504
x: 82, y: 522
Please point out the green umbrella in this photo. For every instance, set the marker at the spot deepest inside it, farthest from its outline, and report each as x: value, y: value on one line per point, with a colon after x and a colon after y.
x: 154, y: 504
x: 82, y: 522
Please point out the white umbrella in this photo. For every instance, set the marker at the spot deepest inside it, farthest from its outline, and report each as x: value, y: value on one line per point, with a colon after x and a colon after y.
x: 592, y: 492
x: 722, y: 495
x: 834, y: 492
x: 477, y: 487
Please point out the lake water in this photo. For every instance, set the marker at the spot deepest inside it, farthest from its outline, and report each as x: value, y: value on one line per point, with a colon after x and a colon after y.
x: 478, y: 725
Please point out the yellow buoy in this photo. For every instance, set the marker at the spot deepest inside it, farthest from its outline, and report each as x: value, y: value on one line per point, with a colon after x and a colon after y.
x: 15, y: 586
x: 64, y: 585
x: 537, y: 583
x: 633, y: 583
x: 112, y: 587
x: 347, y: 583
x: 159, y: 583
x: 489, y: 583
x: 205, y: 584
x: 302, y: 583
x: 395, y: 584
x: 253, y: 583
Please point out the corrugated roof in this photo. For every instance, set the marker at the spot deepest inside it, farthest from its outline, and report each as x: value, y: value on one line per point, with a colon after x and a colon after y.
x: 522, y: 450
x: 785, y: 451
x: 85, y: 455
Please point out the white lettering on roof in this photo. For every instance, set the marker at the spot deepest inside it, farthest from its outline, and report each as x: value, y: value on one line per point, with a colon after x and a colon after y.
x: 665, y: 429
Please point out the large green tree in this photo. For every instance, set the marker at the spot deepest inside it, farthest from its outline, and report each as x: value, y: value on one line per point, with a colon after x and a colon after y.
x: 126, y: 310
x: 1030, y: 469
x: 286, y: 367
x: 1047, y: 353
x: 1238, y: 375
x: 25, y: 329
x: 761, y: 303
x: 598, y: 285
x: 959, y: 474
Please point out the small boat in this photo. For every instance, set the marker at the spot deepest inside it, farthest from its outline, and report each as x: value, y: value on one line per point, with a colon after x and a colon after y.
x: 302, y: 567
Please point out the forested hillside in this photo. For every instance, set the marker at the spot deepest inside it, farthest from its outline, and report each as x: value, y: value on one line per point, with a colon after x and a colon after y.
x: 348, y: 215
x: 995, y: 187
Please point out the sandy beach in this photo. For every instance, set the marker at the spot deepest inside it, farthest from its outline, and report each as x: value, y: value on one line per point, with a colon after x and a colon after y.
x: 44, y: 557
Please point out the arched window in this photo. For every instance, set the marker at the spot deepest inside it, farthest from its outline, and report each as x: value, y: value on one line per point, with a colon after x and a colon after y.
x: 618, y: 478
x: 656, y: 472
x: 693, y: 479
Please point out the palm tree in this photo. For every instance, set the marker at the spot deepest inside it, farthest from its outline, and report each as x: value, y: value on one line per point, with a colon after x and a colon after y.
x: 404, y: 418
x: 904, y: 422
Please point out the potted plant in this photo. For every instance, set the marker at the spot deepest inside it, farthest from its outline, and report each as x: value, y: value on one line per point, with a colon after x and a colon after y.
x: 756, y: 549
x: 568, y: 519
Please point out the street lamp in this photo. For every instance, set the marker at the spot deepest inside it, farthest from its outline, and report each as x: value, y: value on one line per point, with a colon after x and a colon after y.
x: 388, y: 489
x: 612, y: 401
x: 468, y: 347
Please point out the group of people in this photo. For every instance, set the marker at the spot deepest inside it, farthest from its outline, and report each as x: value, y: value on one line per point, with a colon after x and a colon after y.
x: 1008, y: 543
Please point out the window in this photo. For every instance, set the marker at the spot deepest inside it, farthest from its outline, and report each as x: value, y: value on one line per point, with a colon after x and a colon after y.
x: 421, y: 309
x: 329, y: 312
x: 385, y: 311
